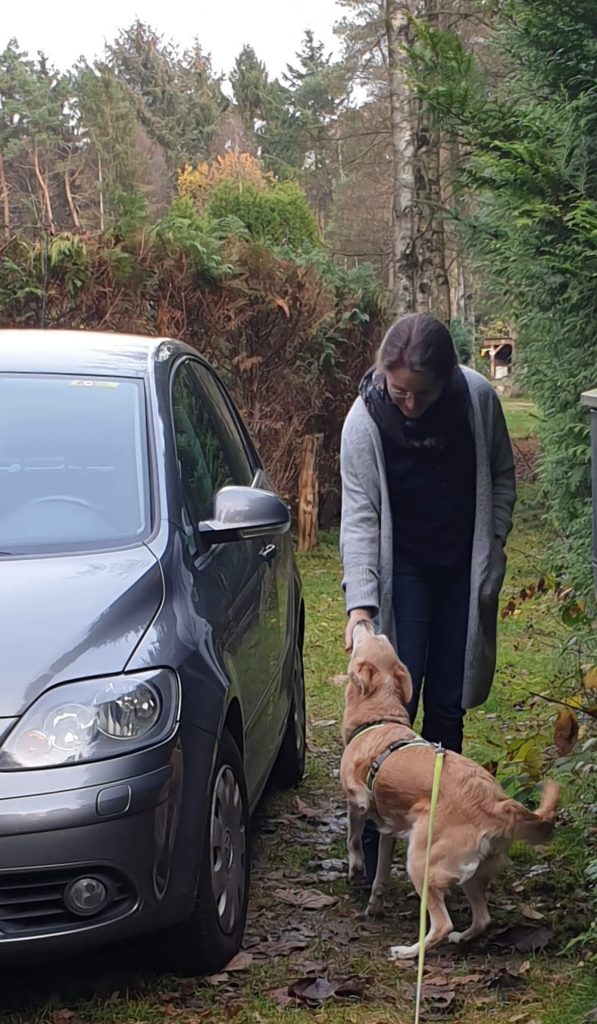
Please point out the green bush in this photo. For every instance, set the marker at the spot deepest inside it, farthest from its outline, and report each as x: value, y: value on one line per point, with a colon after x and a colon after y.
x: 463, y: 340
x: 278, y: 215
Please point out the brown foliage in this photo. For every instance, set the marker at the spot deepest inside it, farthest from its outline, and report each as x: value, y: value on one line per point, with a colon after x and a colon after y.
x: 260, y: 326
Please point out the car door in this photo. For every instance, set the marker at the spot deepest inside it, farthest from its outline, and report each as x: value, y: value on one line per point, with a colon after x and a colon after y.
x: 229, y: 579
x: 275, y: 550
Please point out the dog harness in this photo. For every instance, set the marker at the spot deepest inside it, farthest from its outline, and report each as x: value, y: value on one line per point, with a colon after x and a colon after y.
x: 416, y: 741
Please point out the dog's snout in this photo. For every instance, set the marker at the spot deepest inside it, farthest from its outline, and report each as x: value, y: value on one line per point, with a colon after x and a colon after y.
x: 362, y: 629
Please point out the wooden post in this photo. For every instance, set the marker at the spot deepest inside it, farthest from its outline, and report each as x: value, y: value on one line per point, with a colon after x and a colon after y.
x: 308, y: 504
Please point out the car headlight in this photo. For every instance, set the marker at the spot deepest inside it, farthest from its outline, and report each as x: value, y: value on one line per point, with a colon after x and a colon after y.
x: 93, y: 719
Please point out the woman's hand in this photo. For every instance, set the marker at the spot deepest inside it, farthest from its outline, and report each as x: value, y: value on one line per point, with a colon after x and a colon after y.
x: 354, y: 616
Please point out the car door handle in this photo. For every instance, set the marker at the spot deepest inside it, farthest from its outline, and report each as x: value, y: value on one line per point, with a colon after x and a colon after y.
x: 268, y: 553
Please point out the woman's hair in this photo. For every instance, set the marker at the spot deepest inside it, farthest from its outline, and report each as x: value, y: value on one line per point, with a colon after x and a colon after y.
x: 418, y: 342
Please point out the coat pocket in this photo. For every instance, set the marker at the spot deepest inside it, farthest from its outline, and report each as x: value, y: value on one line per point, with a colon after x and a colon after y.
x: 493, y: 579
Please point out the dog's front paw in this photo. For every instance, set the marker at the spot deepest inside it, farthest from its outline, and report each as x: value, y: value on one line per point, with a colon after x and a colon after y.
x: 375, y: 908
x: 404, y: 952
x: 356, y: 868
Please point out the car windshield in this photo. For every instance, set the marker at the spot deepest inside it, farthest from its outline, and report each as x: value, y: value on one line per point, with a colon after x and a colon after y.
x: 73, y: 463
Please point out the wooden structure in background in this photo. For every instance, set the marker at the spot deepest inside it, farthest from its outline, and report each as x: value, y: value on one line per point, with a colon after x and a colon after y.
x: 501, y: 353
x: 308, y: 500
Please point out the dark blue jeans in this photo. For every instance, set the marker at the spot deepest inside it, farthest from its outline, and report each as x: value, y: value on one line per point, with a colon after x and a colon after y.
x: 431, y: 614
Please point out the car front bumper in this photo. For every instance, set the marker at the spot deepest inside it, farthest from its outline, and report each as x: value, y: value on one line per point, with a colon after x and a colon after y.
x: 128, y: 830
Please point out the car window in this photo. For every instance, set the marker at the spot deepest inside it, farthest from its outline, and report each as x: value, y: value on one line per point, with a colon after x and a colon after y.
x: 224, y: 420
x: 203, y: 467
x: 73, y: 463
x: 208, y: 454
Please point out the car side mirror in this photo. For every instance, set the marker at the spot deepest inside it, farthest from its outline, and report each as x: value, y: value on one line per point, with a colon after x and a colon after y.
x: 241, y: 513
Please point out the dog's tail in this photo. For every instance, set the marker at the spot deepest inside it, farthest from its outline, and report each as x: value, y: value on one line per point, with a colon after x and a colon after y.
x: 536, y: 827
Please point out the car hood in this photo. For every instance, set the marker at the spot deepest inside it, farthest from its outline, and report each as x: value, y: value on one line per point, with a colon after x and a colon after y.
x: 71, y: 617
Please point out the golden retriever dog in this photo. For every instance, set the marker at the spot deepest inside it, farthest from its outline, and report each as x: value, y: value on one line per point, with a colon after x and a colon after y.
x: 475, y: 820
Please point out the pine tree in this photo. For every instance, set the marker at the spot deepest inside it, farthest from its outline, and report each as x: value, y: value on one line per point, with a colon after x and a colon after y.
x: 251, y: 88
x: 178, y: 99
x: 531, y: 179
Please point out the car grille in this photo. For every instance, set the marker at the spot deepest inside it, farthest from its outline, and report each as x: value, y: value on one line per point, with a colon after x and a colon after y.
x: 31, y: 902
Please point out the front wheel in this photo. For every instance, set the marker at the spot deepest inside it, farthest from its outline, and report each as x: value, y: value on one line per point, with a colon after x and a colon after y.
x: 290, y: 765
x: 212, y: 936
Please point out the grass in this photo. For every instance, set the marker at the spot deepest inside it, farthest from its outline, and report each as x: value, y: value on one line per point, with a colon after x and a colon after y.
x: 513, y: 731
x: 522, y: 418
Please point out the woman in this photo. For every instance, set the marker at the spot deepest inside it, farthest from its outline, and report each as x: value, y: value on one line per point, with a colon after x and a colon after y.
x: 428, y: 492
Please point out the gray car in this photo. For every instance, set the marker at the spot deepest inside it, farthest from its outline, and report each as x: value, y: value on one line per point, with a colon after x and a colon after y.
x: 150, y: 646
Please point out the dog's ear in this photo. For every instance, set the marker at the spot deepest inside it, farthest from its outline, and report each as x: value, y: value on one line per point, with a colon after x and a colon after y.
x: 362, y: 674
x: 404, y: 682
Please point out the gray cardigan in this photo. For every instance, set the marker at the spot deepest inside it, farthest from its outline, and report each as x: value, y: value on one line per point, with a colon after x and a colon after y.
x: 366, y: 528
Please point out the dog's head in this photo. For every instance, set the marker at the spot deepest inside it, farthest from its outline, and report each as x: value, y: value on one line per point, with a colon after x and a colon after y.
x: 375, y: 670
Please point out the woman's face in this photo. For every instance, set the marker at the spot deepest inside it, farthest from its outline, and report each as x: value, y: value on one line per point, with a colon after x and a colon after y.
x: 413, y: 391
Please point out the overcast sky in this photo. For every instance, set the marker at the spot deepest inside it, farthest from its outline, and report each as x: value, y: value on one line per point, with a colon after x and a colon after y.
x: 67, y: 29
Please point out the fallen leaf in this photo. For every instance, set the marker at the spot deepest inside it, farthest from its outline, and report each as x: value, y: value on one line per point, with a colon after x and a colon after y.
x: 329, y: 864
x: 537, y: 869
x: 340, y: 680
x: 284, y: 945
x: 533, y: 915
x: 565, y: 731
x: 303, y: 809
x: 283, y: 305
x: 318, y: 990
x: 307, y: 899
x: 324, y: 723
x: 439, y: 995
x: 232, y: 1010
x: 313, y: 990
x: 60, y: 1016
x: 590, y: 683
x: 240, y: 962
x: 353, y: 985
x: 502, y: 978
x: 281, y: 996
x: 524, y: 937
x: 217, y: 979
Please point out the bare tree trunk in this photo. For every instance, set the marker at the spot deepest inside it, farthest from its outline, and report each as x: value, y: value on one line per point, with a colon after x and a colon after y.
x: 432, y: 291
x: 402, y: 273
x: 420, y: 279
x: 5, y: 200
x: 100, y: 180
x: 45, y: 192
x: 308, y: 505
x: 71, y: 204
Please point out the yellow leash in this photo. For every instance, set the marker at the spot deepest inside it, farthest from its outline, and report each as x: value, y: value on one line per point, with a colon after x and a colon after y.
x: 437, y: 774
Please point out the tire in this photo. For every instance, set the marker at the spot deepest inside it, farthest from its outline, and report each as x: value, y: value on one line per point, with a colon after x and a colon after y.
x: 290, y: 764
x: 208, y: 940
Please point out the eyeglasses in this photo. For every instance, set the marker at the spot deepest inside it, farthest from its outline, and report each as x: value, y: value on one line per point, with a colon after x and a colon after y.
x: 420, y: 395
x: 399, y: 393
